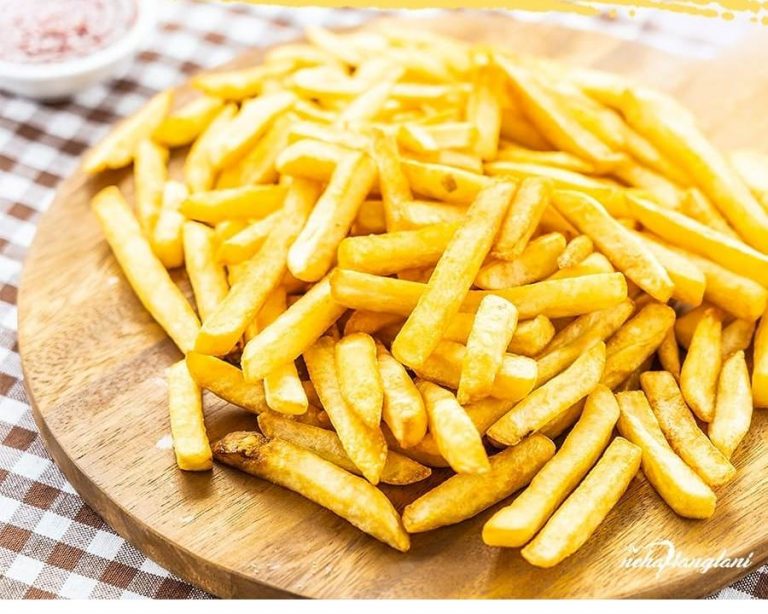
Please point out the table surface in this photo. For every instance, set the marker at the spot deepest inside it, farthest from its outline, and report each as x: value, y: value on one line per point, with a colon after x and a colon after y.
x: 51, y: 544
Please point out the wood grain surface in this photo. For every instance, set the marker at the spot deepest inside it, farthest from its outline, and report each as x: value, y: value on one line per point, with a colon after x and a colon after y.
x: 94, y: 366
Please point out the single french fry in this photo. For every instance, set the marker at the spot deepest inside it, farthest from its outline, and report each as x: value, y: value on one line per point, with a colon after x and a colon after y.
x: 364, y: 445
x: 226, y: 382
x: 578, y: 249
x: 206, y: 275
x: 550, y: 400
x: 150, y: 172
x: 247, y: 242
x: 283, y: 390
x: 680, y: 487
x: 589, y: 321
x: 183, y: 125
x: 457, y: 439
x: 241, y: 83
x: 537, y: 261
x: 680, y: 428
x: 119, y: 147
x: 370, y: 322
x: 370, y: 219
x: 671, y: 128
x: 403, y: 409
x: 392, y: 252
x: 697, y: 206
x: 484, y: 110
x: 311, y: 159
x: 634, y: 342
x: 689, y: 280
x: 313, y: 252
x: 513, y: 380
x: 145, y: 273
x: 529, y: 338
x: 701, y: 367
x: 398, y: 470
x: 622, y: 248
x: 245, y: 129
x: 684, y: 232
x: 515, y: 525
x: 509, y: 152
x: 737, y: 337
x: 583, y: 511
x: 394, y: 184
x: 652, y: 183
x: 594, y: 264
x: 522, y: 218
x: 669, y: 354
x: 453, y: 276
x: 190, y: 441
x: 443, y: 183
x: 516, y: 128
x: 306, y: 473
x: 166, y: 236
x: 492, y: 330
x: 465, y: 495
x: 359, y: 379
x: 199, y: 172
x: 292, y: 332
x: 419, y: 213
x: 262, y: 274
x: 245, y: 203
x: 733, y: 407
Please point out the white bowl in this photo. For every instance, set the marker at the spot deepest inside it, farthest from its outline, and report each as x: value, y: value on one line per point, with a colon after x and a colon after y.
x: 56, y: 80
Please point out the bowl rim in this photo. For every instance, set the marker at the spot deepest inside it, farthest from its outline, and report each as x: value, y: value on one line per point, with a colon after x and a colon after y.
x: 128, y: 43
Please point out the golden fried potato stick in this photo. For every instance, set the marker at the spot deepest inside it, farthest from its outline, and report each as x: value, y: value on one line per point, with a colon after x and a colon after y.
x: 680, y: 428
x: 183, y: 125
x: 282, y: 387
x: 226, y: 382
x: 259, y: 164
x: 682, y: 489
x: 594, y: 264
x: 403, y: 410
x: 484, y: 109
x: 150, y: 172
x: 467, y: 494
x: 262, y: 274
x: 398, y: 470
x: 206, y: 275
x: 674, y: 131
x: 529, y: 338
x: 492, y: 330
x: 522, y: 218
x: 554, y: 120
x: 684, y: 232
x: 586, y: 508
x: 245, y: 203
x: 247, y: 242
x: 370, y: 219
x: 393, y: 183
x: 655, y: 185
x: 689, y: 280
x: 514, y: 379
x: 166, y: 236
x: 146, y: 274
x: 315, y: 131
x: 359, y: 379
x: 311, y: 159
x: 634, y: 342
x: 420, y: 213
x: 697, y: 206
x: 364, y: 445
x: 185, y: 403
x: 314, y: 251
x: 537, y: 261
x: 760, y: 365
x: 733, y: 408
x: 550, y: 400
x: 578, y: 249
x: 241, y: 83
x: 453, y: 276
x: 444, y: 183
x: 669, y: 354
x: 370, y: 322
x: 589, y: 321
x: 554, y: 299
x: 393, y: 252
x: 199, y: 172
x: 701, y: 367
x: 246, y: 128
x: 306, y: 473
x: 516, y: 129
x: 457, y: 439
x: 737, y: 337
x: 509, y: 152
x: 119, y: 147
x: 515, y: 525
x: 618, y: 244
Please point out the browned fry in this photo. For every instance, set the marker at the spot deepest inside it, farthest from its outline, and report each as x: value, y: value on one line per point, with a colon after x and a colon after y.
x: 522, y: 219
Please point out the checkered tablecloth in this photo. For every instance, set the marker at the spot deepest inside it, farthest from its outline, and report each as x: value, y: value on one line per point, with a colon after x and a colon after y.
x: 51, y: 543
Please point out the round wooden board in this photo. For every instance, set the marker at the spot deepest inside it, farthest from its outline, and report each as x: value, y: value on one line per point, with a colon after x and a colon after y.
x: 94, y: 368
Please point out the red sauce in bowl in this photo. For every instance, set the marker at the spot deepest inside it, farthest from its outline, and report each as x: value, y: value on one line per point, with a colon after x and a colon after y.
x: 47, y: 31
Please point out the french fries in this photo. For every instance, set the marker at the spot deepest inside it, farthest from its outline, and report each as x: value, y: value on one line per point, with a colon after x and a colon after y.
x: 304, y: 472
x: 403, y: 408
x: 183, y: 125
x: 150, y: 171
x: 359, y: 378
x: 515, y: 525
x: 207, y: 277
x: 701, y: 368
x: 226, y: 382
x: 466, y: 494
x: 682, y: 432
x: 522, y: 218
x: 733, y: 406
x: 537, y: 261
x: 190, y: 441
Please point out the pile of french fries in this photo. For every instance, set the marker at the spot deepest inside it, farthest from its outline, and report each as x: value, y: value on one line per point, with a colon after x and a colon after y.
x: 408, y: 252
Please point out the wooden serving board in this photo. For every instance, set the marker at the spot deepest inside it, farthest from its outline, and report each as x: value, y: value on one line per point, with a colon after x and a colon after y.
x: 94, y: 366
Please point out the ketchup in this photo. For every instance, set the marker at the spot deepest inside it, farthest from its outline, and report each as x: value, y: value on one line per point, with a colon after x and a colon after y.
x: 46, y: 31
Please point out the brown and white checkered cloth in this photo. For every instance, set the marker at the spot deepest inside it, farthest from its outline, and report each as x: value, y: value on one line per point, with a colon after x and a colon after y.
x: 51, y: 543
